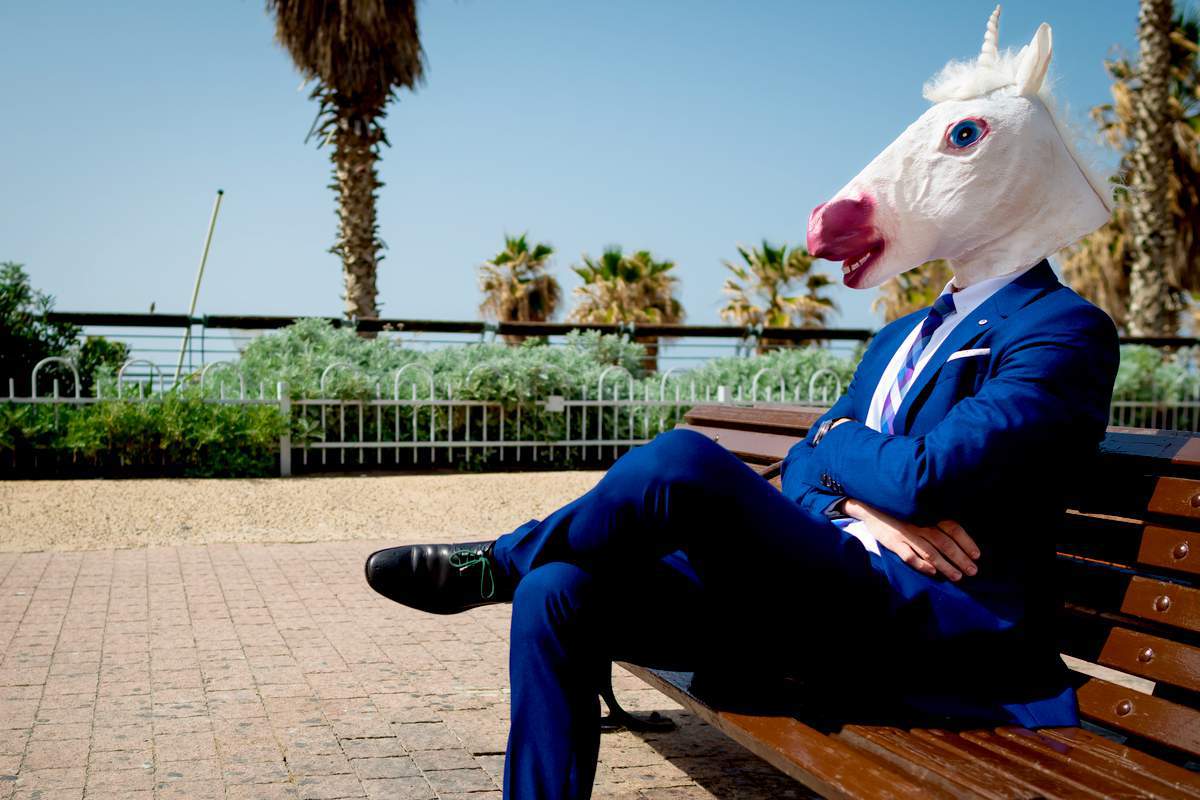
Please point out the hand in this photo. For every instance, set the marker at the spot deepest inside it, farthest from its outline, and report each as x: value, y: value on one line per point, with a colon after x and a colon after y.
x: 945, y: 548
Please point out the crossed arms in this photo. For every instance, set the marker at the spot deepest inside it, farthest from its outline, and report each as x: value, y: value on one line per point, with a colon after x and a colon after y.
x: 1043, y: 405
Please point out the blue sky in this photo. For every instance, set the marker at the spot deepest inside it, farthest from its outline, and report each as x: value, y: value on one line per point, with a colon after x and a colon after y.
x: 682, y: 127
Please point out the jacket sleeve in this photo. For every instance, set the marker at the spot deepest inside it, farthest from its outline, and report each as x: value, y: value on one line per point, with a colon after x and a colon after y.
x: 815, y: 499
x: 1048, y: 397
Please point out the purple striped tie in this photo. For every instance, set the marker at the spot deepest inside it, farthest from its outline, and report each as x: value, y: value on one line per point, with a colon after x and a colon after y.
x: 942, y: 308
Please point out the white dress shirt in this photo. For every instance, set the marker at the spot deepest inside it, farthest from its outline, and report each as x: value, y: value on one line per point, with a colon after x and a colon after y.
x: 965, y: 301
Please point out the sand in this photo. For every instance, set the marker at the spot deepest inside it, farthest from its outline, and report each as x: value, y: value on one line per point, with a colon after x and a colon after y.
x: 101, y: 514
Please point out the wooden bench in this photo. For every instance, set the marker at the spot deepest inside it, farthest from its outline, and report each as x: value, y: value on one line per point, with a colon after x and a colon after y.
x: 1129, y: 561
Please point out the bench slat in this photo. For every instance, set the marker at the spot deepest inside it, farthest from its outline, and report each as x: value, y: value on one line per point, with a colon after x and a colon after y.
x: 1150, y: 717
x: 1163, y: 452
x: 1177, y: 777
x: 789, y: 420
x: 1046, y: 784
x: 1176, y: 497
x: 1170, y: 548
x: 1048, y: 760
x: 1152, y: 657
x: 1128, y: 542
x: 1162, y: 602
x: 1131, y: 775
x: 1161, y: 448
x: 822, y: 763
x: 1108, y: 588
x: 764, y: 448
x: 952, y: 771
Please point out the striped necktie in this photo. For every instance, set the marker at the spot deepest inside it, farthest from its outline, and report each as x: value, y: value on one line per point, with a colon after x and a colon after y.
x: 942, y: 308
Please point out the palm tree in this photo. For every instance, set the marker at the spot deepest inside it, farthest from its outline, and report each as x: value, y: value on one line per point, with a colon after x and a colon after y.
x: 1099, y: 266
x: 359, y: 53
x: 912, y: 290
x: 628, y: 289
x: 1150, y: 162
x: 516, y: 286
x: 760, y: 291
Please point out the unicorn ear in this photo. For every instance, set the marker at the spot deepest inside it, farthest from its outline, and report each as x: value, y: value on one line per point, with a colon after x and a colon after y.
x: 1034, y: 60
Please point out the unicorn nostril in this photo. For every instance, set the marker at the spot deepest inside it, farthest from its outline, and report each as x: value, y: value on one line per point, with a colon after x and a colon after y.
x: 833, y: 226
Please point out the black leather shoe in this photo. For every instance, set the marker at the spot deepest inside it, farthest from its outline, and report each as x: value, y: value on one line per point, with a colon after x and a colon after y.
x: 438, y: 578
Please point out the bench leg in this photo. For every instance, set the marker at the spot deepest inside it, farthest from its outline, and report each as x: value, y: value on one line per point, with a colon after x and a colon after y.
x: 618, y: 718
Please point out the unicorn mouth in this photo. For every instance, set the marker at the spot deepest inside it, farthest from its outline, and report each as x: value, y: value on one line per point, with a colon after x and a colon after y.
x: 856, y: 267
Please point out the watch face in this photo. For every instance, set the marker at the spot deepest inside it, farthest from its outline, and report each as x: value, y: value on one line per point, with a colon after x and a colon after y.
x: 822, y: 429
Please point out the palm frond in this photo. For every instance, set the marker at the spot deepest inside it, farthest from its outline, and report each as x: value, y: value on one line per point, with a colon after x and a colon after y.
x: 757, y: 292
x: 365, y: 49
x: 626, y: 288
x: 515, y: 284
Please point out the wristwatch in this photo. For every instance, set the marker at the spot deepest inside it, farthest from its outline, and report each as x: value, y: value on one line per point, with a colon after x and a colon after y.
x: 825, y: 427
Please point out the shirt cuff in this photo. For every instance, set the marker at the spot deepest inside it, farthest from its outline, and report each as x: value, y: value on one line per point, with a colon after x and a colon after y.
x: 831, y: 511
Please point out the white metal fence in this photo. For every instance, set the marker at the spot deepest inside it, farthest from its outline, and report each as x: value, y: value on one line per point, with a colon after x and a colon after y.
x: 1173, y: 408
x: 422, y: 422
x: 417, y: 421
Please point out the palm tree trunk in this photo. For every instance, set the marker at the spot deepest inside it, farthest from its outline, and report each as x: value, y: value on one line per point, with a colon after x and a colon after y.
x: 1150, y: 312
x: 356, y: 143
x: 650, y: 359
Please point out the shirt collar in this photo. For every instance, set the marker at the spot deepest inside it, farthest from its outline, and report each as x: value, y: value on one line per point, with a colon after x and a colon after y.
x: 968, y: 299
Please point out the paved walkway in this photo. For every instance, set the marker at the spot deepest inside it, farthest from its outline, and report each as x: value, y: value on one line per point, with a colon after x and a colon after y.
x: 264, y: 671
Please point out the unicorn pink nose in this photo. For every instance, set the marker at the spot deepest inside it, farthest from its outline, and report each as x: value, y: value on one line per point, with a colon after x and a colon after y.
x: 842, y: 229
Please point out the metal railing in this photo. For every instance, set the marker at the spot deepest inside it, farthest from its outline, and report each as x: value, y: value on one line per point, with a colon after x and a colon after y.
x: 1171, y: 408
x: 415, y: 420
x: 428, y: 425
x: 158, y: 338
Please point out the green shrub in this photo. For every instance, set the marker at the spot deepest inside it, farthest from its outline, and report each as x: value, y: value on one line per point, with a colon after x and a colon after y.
x: 178, y: 433
x: 513, y: 381
x: 795, y: 367
x: 1153, y: 374
x: 185, y: 432
x: 300, y: 353
x: 96, y: 359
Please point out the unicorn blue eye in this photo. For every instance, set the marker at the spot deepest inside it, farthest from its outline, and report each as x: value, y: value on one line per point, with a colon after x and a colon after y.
x: 966, y: 133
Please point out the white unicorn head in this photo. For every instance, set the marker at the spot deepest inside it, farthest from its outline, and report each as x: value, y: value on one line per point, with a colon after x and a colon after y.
x: 986, y: 179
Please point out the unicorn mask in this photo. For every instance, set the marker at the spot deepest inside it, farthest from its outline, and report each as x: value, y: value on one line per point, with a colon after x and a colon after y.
x: 986, y: 179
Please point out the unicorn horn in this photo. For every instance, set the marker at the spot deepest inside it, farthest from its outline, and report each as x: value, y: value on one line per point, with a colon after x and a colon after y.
x: 990, y: 54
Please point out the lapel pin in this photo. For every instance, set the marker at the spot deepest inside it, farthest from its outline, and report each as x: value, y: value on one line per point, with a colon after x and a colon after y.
x: 983, y: 322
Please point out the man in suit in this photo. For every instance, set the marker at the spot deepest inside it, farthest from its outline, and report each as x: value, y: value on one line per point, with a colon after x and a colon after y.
x: 682, y: 555
x: 904, y: 558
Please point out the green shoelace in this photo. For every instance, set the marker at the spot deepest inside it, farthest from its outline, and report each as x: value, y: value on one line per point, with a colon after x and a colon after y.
x: 464, y: 559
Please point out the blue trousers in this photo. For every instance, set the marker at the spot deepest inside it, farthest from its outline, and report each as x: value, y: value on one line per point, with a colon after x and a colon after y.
x: 681, y: 557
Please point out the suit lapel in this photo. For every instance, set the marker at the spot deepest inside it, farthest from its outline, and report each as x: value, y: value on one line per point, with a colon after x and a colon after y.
x: 986, y: 316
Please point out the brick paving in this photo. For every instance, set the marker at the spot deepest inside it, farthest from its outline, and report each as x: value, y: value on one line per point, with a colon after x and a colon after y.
x: 264, y: 671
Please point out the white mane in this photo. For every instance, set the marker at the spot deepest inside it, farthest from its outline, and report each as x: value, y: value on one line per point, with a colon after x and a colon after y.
x: 963, y: 80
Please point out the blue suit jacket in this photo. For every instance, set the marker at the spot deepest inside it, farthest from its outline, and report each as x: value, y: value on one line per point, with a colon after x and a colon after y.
x: 989, y: 441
